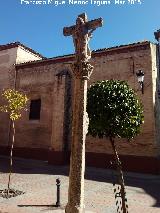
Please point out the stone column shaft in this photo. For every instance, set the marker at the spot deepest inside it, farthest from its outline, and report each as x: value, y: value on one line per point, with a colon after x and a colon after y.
x: 77, y: 164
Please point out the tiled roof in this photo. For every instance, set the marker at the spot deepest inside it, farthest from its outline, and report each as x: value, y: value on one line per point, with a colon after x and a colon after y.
x: 16, y: 44
x: 123, y: 46
x: 69, y: 57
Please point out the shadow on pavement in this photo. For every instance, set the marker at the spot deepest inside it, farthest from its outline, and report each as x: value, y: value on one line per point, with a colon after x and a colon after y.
x: 49, y: 207
x: 149, y: 183
x: 37, y: 206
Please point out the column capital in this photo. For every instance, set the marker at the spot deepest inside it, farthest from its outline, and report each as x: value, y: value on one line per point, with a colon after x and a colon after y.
x: 82, y: 70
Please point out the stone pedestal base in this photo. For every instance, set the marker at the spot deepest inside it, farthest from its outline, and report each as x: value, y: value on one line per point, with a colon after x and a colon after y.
x: 73, y: 209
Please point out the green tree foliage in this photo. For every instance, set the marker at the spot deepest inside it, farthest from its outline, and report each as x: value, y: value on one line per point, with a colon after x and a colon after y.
x: 114, y: 110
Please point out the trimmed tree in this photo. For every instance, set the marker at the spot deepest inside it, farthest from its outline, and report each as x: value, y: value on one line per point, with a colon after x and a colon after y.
x: 15, y: 103
x: 114, y: 112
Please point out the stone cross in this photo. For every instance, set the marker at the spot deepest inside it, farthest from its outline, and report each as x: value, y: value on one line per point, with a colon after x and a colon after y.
x: 82, y: 69
x: 81, y: 33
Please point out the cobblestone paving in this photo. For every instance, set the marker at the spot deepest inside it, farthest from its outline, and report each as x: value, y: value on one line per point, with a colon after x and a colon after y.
x: 38, y: 180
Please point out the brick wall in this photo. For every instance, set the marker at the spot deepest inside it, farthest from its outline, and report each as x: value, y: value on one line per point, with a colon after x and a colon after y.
x: 40, y: 80
x: 123, y: 66
x: 8, y: 58
x: 47, y: 83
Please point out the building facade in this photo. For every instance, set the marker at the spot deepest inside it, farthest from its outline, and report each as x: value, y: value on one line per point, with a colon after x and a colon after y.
x: 44, y: 131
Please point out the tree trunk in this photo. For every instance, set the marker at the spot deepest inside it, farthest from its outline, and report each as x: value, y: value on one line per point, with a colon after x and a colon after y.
x: 119, y: 169
x: 11, y: 155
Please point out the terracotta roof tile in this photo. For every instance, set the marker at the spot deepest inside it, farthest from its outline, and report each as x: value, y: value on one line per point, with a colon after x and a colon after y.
x: 69, y: 57
x: 16, y: 44
x: 123, y: 45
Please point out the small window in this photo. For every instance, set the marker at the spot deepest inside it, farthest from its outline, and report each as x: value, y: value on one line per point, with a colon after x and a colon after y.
x: 35, y: 109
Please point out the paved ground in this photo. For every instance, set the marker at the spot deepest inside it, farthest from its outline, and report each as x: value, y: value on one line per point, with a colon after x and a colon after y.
x: 38, y: 180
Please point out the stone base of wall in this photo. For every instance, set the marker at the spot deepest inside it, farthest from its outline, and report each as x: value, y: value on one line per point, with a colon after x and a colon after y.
x: 23, y: 152
x: 130, y: 163
x: 58, y: 157
x: 142, y: 164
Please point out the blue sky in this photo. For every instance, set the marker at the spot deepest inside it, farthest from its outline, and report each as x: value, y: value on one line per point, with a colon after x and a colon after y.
x: 41, y: 26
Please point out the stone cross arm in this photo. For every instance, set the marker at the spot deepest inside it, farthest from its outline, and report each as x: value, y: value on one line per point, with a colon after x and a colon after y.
x: 90, y: 25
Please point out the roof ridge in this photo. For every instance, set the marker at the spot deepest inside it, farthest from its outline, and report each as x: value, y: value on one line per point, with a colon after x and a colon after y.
x: 16, y: 44
x: 122, y: 45
x: 108, y: 48
x: 94, y: 51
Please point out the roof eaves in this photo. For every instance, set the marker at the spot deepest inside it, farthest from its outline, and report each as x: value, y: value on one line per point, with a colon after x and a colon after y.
x: 57, y: 58
x: 70, y: 56
x: 122, y: 46
x: 16, y: 44
x: 31, y: 50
